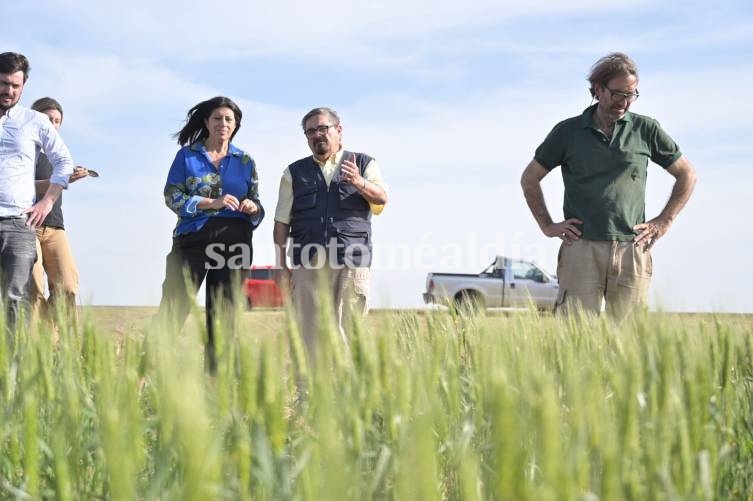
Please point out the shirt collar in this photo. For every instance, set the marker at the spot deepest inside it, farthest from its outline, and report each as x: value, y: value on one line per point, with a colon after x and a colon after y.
x: 334, y: 159
x: 13, y: 111
x: 231, y: 149
x: 587, y: 118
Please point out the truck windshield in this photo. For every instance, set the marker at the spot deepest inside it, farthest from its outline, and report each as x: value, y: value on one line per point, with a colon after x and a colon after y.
x: 261, y: 274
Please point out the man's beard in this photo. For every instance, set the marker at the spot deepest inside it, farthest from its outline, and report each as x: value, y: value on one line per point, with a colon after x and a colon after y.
x: 4, y: 107
x: 321, y: 147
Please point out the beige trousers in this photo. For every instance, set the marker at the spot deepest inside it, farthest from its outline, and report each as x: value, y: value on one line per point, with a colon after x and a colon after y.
x: 347, y: 289
x: 54, y: 257
x: 592, y: 273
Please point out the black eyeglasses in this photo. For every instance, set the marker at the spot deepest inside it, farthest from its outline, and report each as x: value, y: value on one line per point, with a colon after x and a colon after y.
x: 630, y: 96
x: 322, y: 129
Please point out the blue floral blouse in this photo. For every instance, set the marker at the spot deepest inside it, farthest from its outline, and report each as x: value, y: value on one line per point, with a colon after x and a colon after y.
x: 193, y: 177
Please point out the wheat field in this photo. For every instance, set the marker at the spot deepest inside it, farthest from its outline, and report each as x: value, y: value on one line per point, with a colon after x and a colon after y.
x: 421, y: 406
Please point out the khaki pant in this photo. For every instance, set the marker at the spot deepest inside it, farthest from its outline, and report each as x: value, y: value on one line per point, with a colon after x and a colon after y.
x: 592, y: 272
x: 349, y: 293
x: 55, y: 258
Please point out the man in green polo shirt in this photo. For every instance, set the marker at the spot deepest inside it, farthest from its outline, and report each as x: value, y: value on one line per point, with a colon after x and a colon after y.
x: 604, y: 154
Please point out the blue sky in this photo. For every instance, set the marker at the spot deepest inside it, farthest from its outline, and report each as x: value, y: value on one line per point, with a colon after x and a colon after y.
x: 452, y: 98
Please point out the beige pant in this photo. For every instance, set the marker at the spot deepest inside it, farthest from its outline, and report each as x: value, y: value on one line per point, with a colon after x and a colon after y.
x: 55, y: 258
x: 592, y: 272
x: 347, y: 289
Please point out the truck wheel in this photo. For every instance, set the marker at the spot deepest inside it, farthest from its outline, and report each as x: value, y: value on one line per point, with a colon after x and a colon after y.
x: 469, y: 302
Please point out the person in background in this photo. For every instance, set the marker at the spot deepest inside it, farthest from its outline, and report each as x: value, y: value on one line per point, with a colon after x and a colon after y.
x: 23, y: 134
x: 324, y: 207
x: 213, y: 188
x: 54, y: 255
x: 604, y: 154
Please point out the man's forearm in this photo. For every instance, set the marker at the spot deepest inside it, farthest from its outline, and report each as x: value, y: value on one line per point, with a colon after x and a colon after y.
x: 53, y: 192
x: 535, y: 199
x: 280, y: 235
x: 681, y: 191
x: 372, y: 192
x: 40, y: 187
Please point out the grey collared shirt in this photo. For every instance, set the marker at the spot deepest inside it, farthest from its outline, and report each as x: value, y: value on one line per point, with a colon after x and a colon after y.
x: 23, y: 134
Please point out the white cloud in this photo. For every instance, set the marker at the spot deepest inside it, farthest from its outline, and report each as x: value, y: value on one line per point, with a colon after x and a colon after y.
x: 231, y: 30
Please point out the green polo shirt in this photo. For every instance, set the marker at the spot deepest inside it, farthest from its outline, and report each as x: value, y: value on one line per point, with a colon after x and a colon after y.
x: 605, y: 182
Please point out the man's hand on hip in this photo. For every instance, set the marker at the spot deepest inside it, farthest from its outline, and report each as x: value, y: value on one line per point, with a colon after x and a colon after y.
x: 566, y: 230
x: 38, y: 212
x: 649, y: 232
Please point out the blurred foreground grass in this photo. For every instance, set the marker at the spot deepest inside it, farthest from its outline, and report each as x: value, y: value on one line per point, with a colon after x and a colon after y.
x: 424, y: 405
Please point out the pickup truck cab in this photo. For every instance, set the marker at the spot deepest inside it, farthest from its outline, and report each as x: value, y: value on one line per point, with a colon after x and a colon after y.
x: 505, y: 283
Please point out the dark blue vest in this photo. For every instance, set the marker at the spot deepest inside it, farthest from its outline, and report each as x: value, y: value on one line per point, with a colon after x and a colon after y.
x: 322, y: 213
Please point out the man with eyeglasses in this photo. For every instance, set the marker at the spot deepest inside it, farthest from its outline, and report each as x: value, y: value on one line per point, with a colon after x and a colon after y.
x: 604, y: 154
x: 24, y: 134
x: 324, y: 207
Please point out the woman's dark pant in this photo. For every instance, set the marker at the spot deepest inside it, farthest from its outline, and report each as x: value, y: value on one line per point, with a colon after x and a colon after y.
x: 198, y: 255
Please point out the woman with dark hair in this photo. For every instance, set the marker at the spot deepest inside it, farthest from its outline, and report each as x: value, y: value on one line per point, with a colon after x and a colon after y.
x: 213, y: 188
x: 54, y: 255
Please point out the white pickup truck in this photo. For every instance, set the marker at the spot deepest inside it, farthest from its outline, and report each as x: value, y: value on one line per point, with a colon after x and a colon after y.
x: 504, y: 283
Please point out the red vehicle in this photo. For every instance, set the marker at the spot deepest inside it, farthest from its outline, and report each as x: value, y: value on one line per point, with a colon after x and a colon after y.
x: 261, y: 289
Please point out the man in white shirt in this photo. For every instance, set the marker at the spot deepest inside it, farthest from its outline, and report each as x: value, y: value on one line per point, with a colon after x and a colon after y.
x: 23, y: 134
